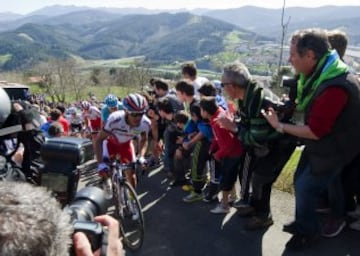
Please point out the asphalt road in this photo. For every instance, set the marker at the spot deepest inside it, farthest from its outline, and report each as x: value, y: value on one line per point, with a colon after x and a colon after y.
x: 174, y: 228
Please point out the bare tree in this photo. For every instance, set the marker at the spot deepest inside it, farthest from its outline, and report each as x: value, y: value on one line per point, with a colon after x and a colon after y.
x: 60, y: 78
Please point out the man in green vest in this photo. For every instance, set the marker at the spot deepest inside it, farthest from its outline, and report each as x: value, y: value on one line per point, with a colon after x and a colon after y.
x: 329, y: 97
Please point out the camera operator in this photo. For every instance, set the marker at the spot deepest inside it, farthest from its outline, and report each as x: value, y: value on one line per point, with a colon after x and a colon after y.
x: 20, y: 122
x: 32, y: 223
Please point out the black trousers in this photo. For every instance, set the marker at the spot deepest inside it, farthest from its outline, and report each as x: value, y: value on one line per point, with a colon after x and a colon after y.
x: 265, y: 171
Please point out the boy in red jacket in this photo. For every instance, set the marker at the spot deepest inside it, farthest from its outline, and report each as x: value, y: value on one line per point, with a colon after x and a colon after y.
x: 226, y: 148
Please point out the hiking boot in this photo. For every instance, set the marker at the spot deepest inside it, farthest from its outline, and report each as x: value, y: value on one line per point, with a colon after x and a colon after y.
x: 300, y: 242
x: 246, y: 211
x: 257, y: 222
x: 332, y: 227
x: 193, y: 197
x: 220, y: 209
x: 209, y: 198
x: 355, y: 225
x: 290, y: 228
x: 240, y: 204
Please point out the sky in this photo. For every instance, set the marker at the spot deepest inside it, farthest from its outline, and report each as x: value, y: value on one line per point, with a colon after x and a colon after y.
x: 27, y: 6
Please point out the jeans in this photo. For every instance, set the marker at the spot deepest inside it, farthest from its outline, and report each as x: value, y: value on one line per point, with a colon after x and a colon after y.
x: 308, y: 188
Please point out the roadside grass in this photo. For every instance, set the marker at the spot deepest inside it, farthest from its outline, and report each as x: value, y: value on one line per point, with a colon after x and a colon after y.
x: 285, y: 181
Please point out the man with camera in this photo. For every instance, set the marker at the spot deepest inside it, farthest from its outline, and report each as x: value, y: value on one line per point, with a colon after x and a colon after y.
x: 32, y: 223
x: 267, y: 149
x: 329, y: 96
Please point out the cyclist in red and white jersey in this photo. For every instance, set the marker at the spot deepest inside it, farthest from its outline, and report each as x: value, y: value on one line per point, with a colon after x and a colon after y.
x: 120, y: 129
x: 92, y: 118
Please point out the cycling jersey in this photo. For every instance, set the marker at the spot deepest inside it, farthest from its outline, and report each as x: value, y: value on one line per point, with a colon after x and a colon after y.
x: 121, y: 131
x: 93, y: 114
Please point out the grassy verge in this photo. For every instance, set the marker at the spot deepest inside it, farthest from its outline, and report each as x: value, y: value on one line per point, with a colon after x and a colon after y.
x: 285, y: 180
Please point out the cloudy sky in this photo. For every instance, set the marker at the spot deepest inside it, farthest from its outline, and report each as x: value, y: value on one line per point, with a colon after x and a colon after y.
x: 26, y: 6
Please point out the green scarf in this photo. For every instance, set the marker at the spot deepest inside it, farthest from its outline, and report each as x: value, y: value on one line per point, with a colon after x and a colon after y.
x: 328, y: 67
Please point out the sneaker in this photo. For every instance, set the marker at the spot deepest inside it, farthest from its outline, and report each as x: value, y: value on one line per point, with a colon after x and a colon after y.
x: 107, y: 186
x: 290, y: 228
x: 355, y: 213
x: 210, y: 198
x: 248, y: 211
x: 220, y: 209
x: 187, y: 188
x: 256, y: 223
x: 300, y: 242
x: 355, y: 225
x: 332, y: 227
x: 193, y: 197
x: 240, y: 204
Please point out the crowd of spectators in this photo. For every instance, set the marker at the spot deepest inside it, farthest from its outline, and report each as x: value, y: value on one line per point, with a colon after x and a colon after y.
x: 208, y: 142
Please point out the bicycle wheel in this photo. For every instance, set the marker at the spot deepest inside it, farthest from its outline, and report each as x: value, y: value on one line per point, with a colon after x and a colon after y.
x: 131, y: 218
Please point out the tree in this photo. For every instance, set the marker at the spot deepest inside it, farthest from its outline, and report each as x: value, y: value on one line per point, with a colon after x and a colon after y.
x: 60, y: 78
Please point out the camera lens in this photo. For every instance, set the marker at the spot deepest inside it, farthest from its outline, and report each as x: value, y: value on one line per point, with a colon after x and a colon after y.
x: 88, y: 203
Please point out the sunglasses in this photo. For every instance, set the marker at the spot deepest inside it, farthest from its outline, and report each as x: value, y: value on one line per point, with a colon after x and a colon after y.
x: 224, y: 84
x: 136, y: 114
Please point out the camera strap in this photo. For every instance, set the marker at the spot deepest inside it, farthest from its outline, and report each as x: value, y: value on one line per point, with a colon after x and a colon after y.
x: 104, y: 242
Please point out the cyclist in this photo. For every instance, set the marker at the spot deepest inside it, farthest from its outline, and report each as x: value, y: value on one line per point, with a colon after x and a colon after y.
x: 75, y: 120
x: 111, y: 104
x: 92, y: 118
x: 121, y: 128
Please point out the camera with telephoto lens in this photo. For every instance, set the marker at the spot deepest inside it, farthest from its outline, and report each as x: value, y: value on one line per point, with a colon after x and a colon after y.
x: 88, y: 203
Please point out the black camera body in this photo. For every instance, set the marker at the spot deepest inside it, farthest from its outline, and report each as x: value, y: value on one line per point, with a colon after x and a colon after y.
x: 64, y: 159
x: 88, y: 203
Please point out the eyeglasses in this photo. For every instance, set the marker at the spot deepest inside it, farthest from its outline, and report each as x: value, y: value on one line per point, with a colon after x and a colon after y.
x: 224, y: 84
x: 134, y: 114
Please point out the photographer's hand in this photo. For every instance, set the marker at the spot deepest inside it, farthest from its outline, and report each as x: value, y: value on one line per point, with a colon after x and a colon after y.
x: 271, y: 116
x: 114, y: 247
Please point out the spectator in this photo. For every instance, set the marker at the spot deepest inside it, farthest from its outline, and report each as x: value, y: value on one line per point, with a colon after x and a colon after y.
x: 329, y: 96
x: 32, y: 223
x: 65, y: 123
x: 189, y: 72
x: 55, y: 130
x: 225, y: 147
x: 267, y: 149
x: 54, y: 116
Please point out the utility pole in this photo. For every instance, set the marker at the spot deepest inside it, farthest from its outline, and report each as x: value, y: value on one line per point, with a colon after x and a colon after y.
x: 284, y: 26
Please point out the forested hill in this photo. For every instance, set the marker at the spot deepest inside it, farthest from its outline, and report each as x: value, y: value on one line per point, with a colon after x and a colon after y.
x: 160, y: 37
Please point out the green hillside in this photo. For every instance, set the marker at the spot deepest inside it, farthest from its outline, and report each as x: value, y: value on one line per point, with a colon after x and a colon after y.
x: 161, y: 38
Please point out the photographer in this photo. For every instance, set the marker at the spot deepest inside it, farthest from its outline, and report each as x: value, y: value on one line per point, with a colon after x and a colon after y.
x: 267, y: 148
x: 19, y: 122
x: 329, y: 96
x: 32, y: 223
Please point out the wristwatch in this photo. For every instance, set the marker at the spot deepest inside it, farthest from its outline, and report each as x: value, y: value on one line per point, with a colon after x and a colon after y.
x: 280, y: 128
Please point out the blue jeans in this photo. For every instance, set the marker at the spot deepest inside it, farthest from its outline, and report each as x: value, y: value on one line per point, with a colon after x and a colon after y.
x: 308, y: 188
x: 170, y: 147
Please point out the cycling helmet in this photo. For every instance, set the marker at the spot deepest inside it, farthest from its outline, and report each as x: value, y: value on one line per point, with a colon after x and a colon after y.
x: 5, y: 108
x: 85, y: 104
x: 111, y: 101
x: 135, y: 102
x: 72, y: 111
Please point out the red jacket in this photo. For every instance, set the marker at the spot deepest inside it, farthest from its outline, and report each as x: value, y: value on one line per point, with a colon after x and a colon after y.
x: 224, y: 143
